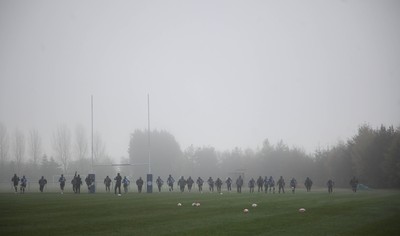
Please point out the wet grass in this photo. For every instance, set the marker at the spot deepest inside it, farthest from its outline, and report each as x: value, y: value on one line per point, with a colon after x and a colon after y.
x: 374, y: 212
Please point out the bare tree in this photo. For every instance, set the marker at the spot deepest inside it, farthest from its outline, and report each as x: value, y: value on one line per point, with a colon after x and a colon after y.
x: 99, y: 148
x: 81, y: 145
x: 19, y: 148
x: 35, y: 145
x: 62, y: 145
x: 4, y: 144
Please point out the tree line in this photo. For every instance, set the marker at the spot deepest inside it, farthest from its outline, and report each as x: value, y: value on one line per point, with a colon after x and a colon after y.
x: 372, y: 155
x: 24, y: 154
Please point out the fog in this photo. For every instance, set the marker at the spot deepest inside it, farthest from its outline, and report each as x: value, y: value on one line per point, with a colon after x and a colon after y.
x: 223, y: 74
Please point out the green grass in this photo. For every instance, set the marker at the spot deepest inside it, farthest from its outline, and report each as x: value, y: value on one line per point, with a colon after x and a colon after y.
x: 374, y: 212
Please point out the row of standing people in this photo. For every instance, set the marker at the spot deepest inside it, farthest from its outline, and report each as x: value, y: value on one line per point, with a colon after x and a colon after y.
x: 90, y: 182
x: 263, y: 184
x: 76, y: 183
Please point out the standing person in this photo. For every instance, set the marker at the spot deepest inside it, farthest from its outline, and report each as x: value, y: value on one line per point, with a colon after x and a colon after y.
x: 239, y: 184
x: 228, y: 182
x: 88, y: 182
x: 199, y: 183
x: 252, y: 182
x: 281, y: 185
x: 78, y: 184
x: 170, y: 182
x: 218, y: 183
x: 126, y: 183
x: 118, y: 180
x: 293, y: 184
x: 62, y: 180
x: 271, y: 183
x: 159, y: 183
x: 210, y: 182
x: 330, y: 185
x: 139, y: 184
x: 182, y: 184
x: 354, y: 184
x: 190, y: 183
x: 42, y: 183
x: 23, y: 184
x: 308, y: 183
x: 107, y: 183
x: 73, y: 182
x: 15, y: 180
x: 260, y: 183
x: 266, y: 184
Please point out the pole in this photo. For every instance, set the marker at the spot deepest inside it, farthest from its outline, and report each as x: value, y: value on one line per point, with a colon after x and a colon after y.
x: 92, y: 132
x: 149, y: 176
x: 148, y: 130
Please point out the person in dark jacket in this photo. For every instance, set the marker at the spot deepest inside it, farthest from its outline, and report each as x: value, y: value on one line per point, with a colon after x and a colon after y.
x: 293, y: 184
x: 182, y: 184
x: 218, y: 183
x: 107, y: 183
x: 159, y: 183
x: 260, y: 183
x: 118, y: 180
x: 199, y: 183
x: 308, y: 183
x: 190, y: 183
x: 139, y: 184
x: 252, y: 183
x: 88, y: 182
x: 330, y: 185
x: 210, y: 182
x: 62, y: 181
x: 78, y: 184
x: 73, y: 182
x: 170, y: 182
x: 354, y: 184
x: 281, y: 185
x: 266, y: 183
x: 15, y: 180
x: 228, y: 182
x: 42, y: 183
x: 239, y: 184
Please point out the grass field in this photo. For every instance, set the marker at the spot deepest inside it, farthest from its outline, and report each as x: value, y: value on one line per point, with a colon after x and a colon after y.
x: 374, y: 212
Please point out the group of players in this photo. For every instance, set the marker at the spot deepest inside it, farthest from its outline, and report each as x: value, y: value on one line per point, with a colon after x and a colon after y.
x: 122, y: 181
x: 23, y: 182
x: 263, y: 184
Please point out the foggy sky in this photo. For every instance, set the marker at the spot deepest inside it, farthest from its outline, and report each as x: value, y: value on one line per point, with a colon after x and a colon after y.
x: 219, y: 73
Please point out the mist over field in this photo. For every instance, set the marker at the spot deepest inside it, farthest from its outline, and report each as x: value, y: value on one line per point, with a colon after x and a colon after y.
x: 294, y: 88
